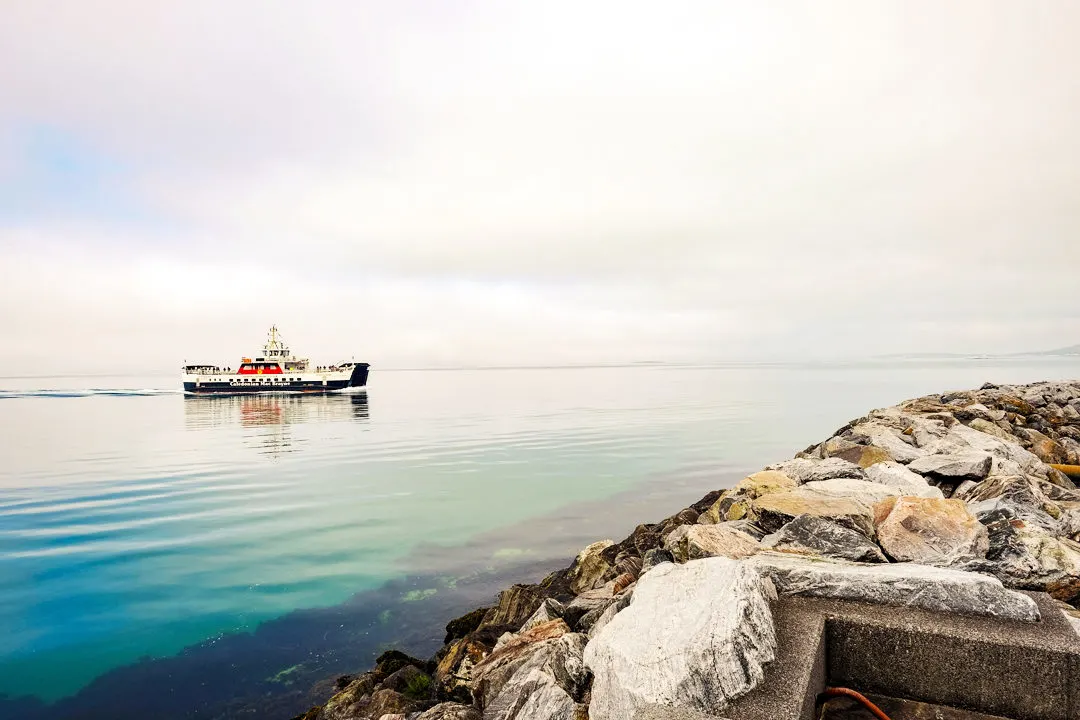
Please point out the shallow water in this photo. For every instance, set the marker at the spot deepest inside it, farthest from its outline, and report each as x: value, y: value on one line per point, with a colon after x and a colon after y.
x: 260, y: 532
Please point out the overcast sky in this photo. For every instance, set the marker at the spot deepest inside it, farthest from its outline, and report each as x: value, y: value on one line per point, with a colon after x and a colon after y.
x: 441, y: 182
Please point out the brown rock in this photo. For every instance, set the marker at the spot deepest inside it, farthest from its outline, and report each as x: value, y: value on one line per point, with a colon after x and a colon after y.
x: 775, y: 510
x: 864, y: 455
x: 991, y: 428
x: 929, y: 530
x: 342, y: 705
x: 516, y: 604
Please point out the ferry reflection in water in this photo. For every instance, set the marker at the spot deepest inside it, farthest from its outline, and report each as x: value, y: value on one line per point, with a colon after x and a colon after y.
x: 265, y: 419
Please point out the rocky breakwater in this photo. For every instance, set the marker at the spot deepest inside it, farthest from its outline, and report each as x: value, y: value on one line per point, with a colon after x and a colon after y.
x: 947, y: 503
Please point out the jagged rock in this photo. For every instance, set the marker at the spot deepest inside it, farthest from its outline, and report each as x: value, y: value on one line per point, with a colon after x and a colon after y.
x: 803, y: 470
x: 655, y: 557
x: 694, y: 636
x: 375, y: 706
x: 549, y: 610
x: 814, y: 535
x: 861, y: 491
x: 991, y: 428
x: 462, y: 626
x: 457, y: 660
x: 959, y: 466
x: 879, y: 434
x: 393, y: 716
x: 345, y: 705
x: 589, y: 566
x: 450, y: 711
x: 538, y: 675
x: 905, y: 584
x: 732, y: 504
x: 405, y: 679
x: 864, y: 455
x: 1028, y: 559
x: 900, y: 478
x: 690, y: 542
x: 931, y: 531
x: 516, y: 604
x: 1048, y: 450
x: 1026, y: 495
x: 586, y: 602
x: 393, y: 660
x: 775, y: 510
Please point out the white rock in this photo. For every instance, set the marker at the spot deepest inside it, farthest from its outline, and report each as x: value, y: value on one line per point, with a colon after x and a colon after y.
x: 898, y: 477
x: 905, y: 584
x: 960, y: 465
x: 541, y: 686
x: 695, y: 636
x: 805, y: 470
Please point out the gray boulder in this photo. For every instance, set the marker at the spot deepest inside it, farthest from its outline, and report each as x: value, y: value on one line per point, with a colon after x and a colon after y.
x: 958, y: 466
x: 817, y: 536
x: 904, y: 584
x: 695, y: 636
x: 804, y: 470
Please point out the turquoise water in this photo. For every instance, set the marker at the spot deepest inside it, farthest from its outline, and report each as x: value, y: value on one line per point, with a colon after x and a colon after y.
x: 136, y: 522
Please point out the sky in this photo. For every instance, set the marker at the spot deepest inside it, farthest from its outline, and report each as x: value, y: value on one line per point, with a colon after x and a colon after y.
x: 434, y: 183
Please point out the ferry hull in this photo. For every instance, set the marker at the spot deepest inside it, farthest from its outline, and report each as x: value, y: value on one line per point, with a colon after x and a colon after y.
x: 237, y: 385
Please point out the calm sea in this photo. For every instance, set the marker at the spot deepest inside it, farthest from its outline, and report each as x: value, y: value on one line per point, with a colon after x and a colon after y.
x: 169, y: 556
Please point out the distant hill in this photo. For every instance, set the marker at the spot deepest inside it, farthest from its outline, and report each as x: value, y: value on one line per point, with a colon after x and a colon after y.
x: 1071, y: 350
x: 1064, y: 351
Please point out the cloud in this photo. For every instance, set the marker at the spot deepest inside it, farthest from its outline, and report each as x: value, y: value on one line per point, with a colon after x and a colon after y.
x: 487, y: 183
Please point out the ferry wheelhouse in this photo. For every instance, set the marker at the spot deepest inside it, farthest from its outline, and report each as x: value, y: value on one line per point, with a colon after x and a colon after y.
x: 275, y: 370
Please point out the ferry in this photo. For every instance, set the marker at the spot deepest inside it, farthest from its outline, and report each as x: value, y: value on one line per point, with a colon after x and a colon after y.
x: 275, y: 370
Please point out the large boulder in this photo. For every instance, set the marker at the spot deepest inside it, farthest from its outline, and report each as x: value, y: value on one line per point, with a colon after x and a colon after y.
x: 516, y: 604
x: 881, y: 433
x: 991, y: 428
x: 692, y: 542
x: 957, y: 466
x: 932, y: 531
x: 775, y: 510
x: 732, y: 504
x: 903, y: 584
x: 695, y: 636
x: 536, y: 675
x: 804, y: 470
x: 813, y: 535
x: 589, y: 567
x: 450, y: 711
x: 901, y: 479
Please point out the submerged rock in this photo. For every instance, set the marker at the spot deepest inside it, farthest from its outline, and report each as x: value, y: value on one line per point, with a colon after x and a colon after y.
x: 904, y: 584
x: 929, y: 530
x: 809, y: 534
x: 694, y: 636
x: 691, y: 542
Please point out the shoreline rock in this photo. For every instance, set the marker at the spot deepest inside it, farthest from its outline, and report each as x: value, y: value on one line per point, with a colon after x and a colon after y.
x: 946, y: 503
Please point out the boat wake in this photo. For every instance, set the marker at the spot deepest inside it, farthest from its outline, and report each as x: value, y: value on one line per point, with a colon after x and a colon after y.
x: 88, y: 392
